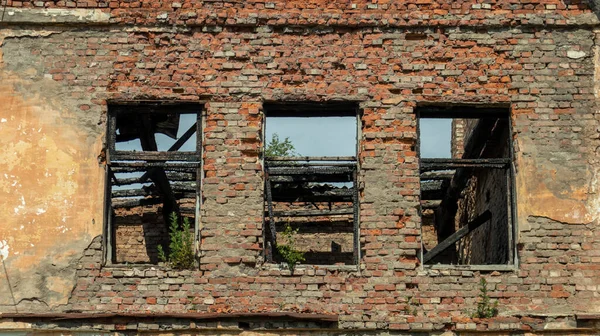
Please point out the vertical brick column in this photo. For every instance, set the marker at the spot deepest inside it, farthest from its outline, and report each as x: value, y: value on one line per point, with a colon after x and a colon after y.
x: 232, y: 193
x: 389, y: 219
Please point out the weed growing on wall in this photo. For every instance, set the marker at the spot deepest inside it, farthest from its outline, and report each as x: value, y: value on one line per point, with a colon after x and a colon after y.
x: 288, y: 251
x: 181, y: 245
x: 485, y: 307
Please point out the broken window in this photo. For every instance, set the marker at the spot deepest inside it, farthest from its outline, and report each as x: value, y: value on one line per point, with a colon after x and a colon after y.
x: 311, y: 185
x: 152, y: 174
x: 466, y: 185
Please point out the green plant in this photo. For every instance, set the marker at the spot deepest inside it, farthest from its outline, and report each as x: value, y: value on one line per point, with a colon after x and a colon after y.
x: 288, y: 251
x: 277, y: 147
x: 485, y: 307
x: 181, y: 245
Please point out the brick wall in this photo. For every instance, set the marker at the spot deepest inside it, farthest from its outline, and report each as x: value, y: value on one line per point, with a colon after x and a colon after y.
x: 389, y: 57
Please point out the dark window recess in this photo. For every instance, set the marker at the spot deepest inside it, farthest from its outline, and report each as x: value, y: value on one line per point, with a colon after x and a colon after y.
x: 466, y: 185
x: 152, y: 173
x: 314, y: 188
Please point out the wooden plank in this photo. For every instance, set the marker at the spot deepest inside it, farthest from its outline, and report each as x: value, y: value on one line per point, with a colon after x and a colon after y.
x: 465, y: 230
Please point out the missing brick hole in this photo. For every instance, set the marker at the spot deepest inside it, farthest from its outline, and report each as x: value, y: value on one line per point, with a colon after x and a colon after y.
x: 244, y: 325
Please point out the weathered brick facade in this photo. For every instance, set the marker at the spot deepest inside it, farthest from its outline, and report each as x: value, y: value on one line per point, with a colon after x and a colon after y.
x: 62, y: 61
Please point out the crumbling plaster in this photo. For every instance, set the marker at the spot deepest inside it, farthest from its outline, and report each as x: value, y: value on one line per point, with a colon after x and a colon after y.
x: 51, y: 183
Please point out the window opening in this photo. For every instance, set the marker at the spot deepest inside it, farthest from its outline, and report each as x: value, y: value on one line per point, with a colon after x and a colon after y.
x: 466, y: 185
x: 313, y: 187
x: 153, y: 169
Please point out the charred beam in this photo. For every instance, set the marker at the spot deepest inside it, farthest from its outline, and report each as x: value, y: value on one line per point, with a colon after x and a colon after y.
x: 437, y: 175
x: 155, y: 156
x: 132, y: 203
x: 465, y: 230
x: 134, y: 192
x: 333, y: 178
x: 430, y: 204
x: 286, y: 164
x: 308, y: 213
x: 143, y: 166
x: 270, y: 159
x: 278, y: 171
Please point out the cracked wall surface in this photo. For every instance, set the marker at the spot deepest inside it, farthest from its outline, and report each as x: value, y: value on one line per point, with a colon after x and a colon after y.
x: 540, y: 59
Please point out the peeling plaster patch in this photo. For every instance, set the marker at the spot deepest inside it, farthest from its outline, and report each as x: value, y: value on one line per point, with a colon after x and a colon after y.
x: 40, y: 211
x: 3, y: 120
x: 4, y: 249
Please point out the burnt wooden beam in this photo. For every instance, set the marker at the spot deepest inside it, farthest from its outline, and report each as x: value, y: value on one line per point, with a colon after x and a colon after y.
x: 132, y: 203
x: 284, y: 164
x: 437, y: 175
x: 155, y: 156
x: 173, y: 177
x: 430, y: 166
x: 143, y: 166
x: 308, y: 213
x: 456, y: 236
x: 310, y: 158
x: 133, y: 192
x: 185, y: 137
x: 330, y: 178
x: 278, y: 171
x: 186, y: 186
x: 430, y: 204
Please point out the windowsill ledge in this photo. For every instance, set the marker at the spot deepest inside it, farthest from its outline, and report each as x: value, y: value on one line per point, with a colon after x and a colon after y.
x: 145, y: 270
x: 440, y: 269
x: 309, y: 269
